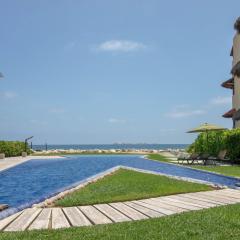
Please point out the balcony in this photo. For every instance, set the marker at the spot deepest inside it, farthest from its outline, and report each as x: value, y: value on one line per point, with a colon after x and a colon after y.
x: 228, y: 84
x: 230, y: 113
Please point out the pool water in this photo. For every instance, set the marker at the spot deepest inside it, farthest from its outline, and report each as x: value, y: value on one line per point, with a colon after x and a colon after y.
x: 36, y: 180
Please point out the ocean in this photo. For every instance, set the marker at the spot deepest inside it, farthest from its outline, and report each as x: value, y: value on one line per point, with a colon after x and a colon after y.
x: 110, y: 146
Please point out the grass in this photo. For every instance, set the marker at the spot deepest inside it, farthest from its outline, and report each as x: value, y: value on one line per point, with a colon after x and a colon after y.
x: 158, y: 157
x: 126, y: 185
x: 233, y: 171
x: 218, y: 223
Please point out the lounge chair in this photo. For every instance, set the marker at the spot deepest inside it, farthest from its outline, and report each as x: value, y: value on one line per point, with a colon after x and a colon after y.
x: 204, y: 157
x: 193, y: 157
x: 220, y: 157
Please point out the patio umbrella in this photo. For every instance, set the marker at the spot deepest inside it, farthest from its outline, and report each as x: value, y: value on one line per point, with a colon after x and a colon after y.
x: 206, y: 127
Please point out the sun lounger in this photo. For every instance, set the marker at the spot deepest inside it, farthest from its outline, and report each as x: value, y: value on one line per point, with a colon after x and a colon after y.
x: 189, y: 159
x: 204, y: 157
x: 220, y: 157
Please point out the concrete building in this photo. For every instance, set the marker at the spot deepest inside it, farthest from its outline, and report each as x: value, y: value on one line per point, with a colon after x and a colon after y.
x: 234, y: 82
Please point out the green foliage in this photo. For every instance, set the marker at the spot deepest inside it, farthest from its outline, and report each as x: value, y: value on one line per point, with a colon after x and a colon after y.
x: 233, y: 171
x: 213, y: 142
x: 158, y: 157
x: 13, y: 148
x: 232, y: 143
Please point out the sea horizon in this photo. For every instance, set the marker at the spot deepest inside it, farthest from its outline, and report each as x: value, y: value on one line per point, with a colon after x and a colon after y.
x: 109, y: 146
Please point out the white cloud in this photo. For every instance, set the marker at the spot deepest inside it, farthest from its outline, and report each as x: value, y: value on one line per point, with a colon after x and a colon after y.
x: 121, y: 46
x: 221, y: 100
x: 9, y: 95
x: 116, y: 120
x: 186, y: 113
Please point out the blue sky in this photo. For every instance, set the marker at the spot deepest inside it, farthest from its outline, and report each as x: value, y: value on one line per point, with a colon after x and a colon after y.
x: 113, y: 71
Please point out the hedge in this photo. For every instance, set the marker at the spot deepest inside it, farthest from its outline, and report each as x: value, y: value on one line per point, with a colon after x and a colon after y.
x: 222, y: 140
x: 13, y: 148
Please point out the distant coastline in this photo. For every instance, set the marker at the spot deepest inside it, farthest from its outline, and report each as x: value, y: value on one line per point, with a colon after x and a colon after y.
x: 110, y: 146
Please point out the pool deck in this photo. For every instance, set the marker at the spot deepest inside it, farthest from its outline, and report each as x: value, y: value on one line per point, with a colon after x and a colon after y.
x: 13, y: 161
x: 66, y: 217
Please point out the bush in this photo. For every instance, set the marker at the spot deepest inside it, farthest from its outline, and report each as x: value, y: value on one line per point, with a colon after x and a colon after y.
x: 13, y: 148
x: 232, y: 144
x: 213, y: 142
x: 210, y: 143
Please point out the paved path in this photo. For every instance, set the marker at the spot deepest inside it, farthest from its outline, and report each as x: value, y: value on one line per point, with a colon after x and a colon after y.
x: 13, y: 161
x: 55, y: 218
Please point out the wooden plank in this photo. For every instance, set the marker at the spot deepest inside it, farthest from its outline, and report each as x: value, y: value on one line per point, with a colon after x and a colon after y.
x: 179, y: 204
x: 223, y: 191
x: 217, y: 198
x: 94, y: 215
x: 147, y: 211
x: 6, y: 221
x: 58, y: 219
x: 42, y: 221
x: 194, y: 201
x: 112, y: 213
x: 228, y: 195
x: 230, y: 192
x: 197, y: 197
x: 76, y: 217
x: 159, y: 203
x: 130, y: 212
x: 173, y: 199
x: 234, y: 193
x: 24, y: 220
x: 152, y: 205
x: 232, y: 199
x: 223, y: 201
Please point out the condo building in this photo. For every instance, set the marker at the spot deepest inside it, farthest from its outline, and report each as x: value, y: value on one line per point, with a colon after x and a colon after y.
x: 234, y: 82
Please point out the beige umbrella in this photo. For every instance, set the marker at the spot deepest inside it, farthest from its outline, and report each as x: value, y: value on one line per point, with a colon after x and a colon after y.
x: 206, y: 127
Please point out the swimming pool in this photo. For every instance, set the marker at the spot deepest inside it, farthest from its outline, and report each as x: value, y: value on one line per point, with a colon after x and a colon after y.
x: 36, y: 180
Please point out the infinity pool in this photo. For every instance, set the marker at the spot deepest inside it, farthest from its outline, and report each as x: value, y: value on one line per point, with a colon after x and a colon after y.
x: 36, y: 180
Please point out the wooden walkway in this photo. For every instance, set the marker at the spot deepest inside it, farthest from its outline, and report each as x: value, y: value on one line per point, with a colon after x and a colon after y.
x: 55, y: 218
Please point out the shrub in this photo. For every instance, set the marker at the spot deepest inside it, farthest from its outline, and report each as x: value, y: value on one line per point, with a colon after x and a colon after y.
x: 216, y: 141
x: 232, y: 143
x: 211, y: 142
x: 13, y: 148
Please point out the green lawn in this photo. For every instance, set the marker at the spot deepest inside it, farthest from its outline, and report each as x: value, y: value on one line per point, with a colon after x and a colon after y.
x: 126, y: 185
x: 158, y: 157
x: 216, y: 224
x: 233, y: 171
x: 226, y: 170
